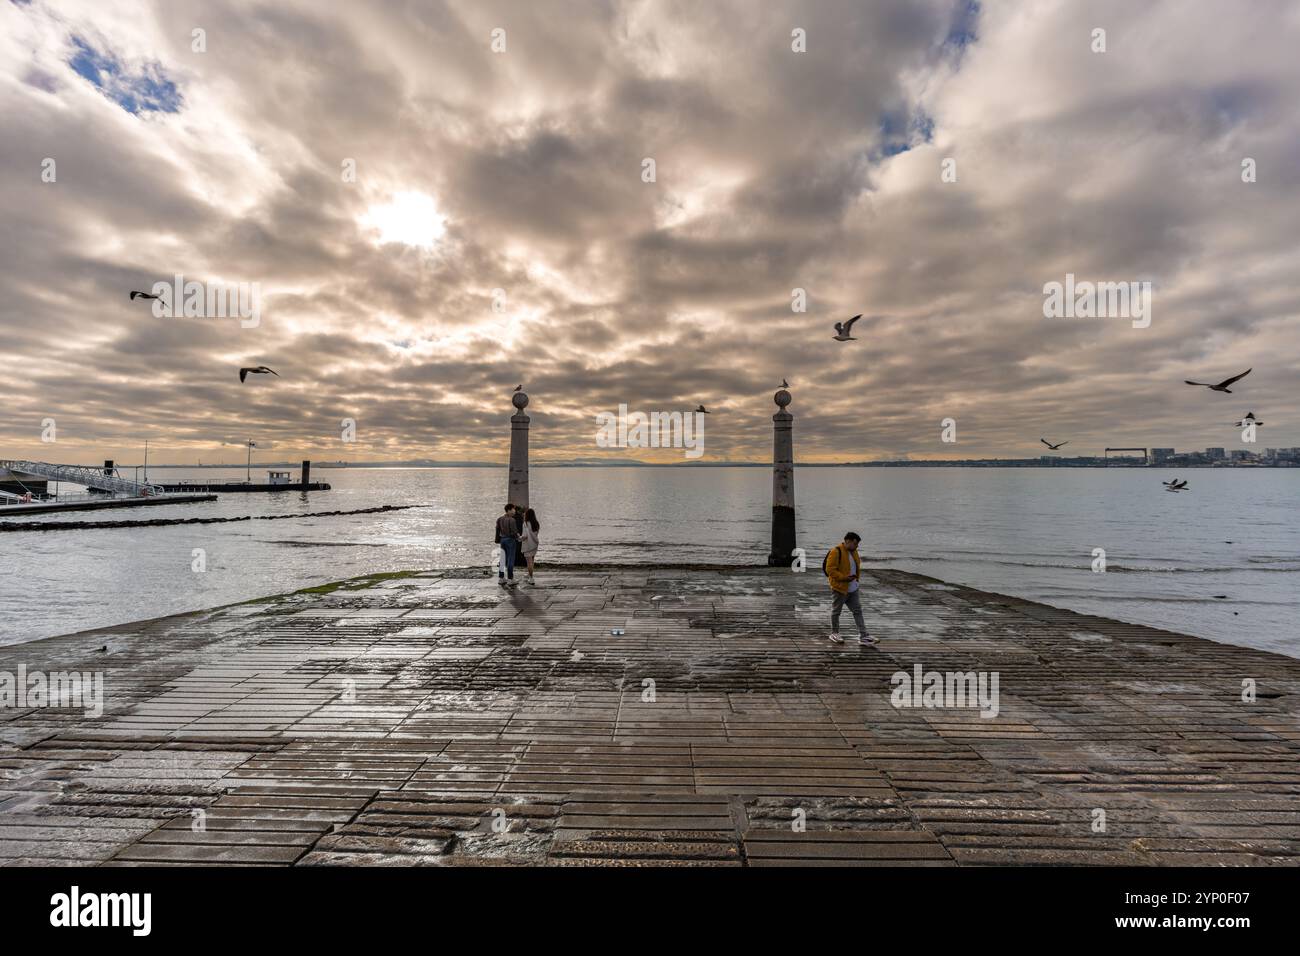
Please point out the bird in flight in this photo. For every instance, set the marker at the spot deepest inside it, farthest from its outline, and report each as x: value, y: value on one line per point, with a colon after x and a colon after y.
x: 1175, y: 485
x: 260, y: 370
x: 141, y: 295
x: 842, y: 329
x: 1222, y: 386
x: 704, y: 410
x: 1051, y: 446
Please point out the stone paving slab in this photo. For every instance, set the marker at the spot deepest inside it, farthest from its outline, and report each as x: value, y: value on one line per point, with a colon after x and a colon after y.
x: 436, y: 719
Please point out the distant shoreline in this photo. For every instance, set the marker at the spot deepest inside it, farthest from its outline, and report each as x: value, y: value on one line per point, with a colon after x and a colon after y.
x: 934, y: 463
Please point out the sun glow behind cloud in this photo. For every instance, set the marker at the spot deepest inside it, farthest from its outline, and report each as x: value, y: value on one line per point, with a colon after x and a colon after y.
x: 410, y: 218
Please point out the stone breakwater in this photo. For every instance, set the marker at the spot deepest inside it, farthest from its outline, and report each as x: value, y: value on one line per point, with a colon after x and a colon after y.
x: 155, y: 522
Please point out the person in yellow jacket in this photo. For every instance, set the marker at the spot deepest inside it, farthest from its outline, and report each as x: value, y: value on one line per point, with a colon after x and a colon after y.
x: 843, y: 570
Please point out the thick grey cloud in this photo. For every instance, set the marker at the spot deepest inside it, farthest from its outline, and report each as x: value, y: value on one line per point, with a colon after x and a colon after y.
x: 775, y: 170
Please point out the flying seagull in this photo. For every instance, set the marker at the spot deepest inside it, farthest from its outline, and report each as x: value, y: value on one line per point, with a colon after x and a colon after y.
x: 1051, y: 446
x: 842, y: 329
x: 1175, y: 485
x: 704, y: 410
x: 141, y: 295
x: 1222, y: 386
x: 260, y: 370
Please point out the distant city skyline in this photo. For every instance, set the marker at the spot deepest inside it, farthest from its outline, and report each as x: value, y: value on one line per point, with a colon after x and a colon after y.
x: 1155, y: 456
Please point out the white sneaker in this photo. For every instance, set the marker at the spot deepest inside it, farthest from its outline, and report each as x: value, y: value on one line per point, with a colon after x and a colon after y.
x: 836, y: 639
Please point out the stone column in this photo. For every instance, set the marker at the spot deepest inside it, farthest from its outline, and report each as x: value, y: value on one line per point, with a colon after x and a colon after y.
x: 518, y: 492
x: 782, y: 482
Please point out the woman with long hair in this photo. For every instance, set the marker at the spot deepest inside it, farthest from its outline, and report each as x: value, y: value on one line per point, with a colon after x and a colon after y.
x: 529, y: 545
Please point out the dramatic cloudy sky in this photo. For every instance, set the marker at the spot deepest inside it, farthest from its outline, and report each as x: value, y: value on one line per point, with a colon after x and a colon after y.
x: 522, y: 171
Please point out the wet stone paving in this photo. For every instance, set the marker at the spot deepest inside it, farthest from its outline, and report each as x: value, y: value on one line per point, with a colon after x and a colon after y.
x: 648, y: 716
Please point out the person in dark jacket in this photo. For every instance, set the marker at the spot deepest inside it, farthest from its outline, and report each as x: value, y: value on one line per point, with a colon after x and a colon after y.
x: 519, y: 537
x: 507, y: 536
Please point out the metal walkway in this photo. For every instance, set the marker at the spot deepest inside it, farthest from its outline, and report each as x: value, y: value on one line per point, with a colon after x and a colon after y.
x: 87, y: 475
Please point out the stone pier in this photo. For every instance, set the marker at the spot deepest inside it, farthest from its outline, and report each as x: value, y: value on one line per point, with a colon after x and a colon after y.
x: 517, y: 493
x: 647, y: 716
x: 783, y: 533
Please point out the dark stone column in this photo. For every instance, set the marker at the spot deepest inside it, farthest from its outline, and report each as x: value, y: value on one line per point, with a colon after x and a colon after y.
x: 517, y: 493
x: 783, y: 541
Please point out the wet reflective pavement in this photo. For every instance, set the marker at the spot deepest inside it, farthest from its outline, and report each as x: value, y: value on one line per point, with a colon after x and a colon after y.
x: 438, y: 719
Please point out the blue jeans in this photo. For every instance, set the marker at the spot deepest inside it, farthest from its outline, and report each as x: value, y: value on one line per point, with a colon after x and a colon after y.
x: 854, y: 600
x: 508, y: 559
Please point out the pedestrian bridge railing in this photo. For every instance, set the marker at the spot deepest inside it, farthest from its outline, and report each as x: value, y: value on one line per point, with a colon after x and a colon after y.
x: 87, y: 475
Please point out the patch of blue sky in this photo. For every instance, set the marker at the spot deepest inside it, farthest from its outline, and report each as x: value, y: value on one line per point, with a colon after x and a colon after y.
x: 962, y: 32
x: 147, y: 90
x: 1232, y: 103
x: 902, y: 131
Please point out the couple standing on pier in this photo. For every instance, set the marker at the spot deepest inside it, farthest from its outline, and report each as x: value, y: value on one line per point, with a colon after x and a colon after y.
x: 516, y: 534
